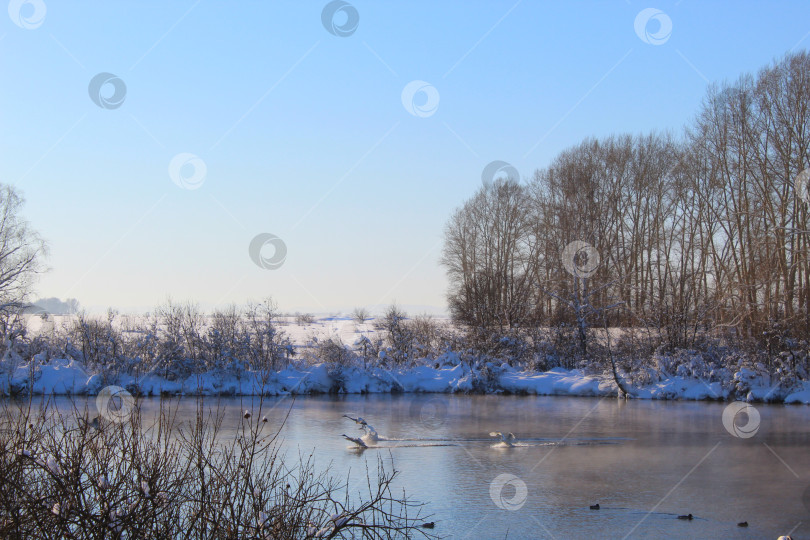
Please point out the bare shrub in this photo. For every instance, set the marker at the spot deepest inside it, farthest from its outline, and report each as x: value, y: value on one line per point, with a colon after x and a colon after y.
x: 269, y: 347
x: 398, y: 335
x: 304, y: 319
x: 360, y: 315
x: 367, y: 349
x: 426, y: 335
x: 333, y: 351
x: 61, y: 477
x: 512, y: 346
x: 101, y: 343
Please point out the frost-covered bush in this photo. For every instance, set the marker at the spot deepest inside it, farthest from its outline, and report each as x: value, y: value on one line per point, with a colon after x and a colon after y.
x: 556, y: 347
x: 332, y: 351
x: 337, y: 356
x: 178, y: 341
x: 101, y: 343
x: 268, y: 348
x: 486, y: 377
x: 512, y: 346
x: 399, y: 336
x: 225, y: 339
x: 367, y: 349
x: 425, y: 334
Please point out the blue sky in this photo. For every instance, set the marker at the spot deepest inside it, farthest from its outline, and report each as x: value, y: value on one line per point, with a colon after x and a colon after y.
x: 304, y: 134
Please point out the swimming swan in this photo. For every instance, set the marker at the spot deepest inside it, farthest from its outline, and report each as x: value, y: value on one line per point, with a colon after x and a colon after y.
x: 358, y: 420
x: 507, y: 439
x: 370, y: 436
x: 355, y: 440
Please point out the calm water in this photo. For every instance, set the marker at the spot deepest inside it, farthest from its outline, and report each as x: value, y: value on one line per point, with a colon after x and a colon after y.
x: 644, y: 462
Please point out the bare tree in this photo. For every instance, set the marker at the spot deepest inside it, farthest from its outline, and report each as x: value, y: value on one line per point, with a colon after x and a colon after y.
x: 21, y: 250
x: 360, y: 315
x: 488, y: 255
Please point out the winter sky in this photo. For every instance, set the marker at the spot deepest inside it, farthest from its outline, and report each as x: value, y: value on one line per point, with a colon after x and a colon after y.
x: 301, y: 130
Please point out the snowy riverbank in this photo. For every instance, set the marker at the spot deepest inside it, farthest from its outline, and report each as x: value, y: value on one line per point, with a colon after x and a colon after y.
x: 62, y: 377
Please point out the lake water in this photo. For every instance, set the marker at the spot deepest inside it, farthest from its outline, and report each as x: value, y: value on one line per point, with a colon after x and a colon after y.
x: 644, y: 462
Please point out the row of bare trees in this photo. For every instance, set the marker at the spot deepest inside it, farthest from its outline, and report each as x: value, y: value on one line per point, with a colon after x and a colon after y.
x: 703, y: 231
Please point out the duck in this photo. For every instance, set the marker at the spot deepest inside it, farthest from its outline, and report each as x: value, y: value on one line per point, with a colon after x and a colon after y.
x: 742, y: 524
x: 595, y: 506
x: 429, y: 525
x: 690, y: 517
x: 94, y: 423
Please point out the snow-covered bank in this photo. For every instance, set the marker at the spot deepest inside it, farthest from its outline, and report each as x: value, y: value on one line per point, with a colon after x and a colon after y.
x: 63, y: 377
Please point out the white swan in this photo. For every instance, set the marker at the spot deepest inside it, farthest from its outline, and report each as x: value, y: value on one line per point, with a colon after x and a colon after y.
x: 370, y: 436
x: 358, y: 420
x: 355, y: 440
x: 507, y: 439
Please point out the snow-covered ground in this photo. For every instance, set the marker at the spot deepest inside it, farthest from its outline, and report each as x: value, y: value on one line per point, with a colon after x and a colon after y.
x: 445, y: 374
x: 61, y: 376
